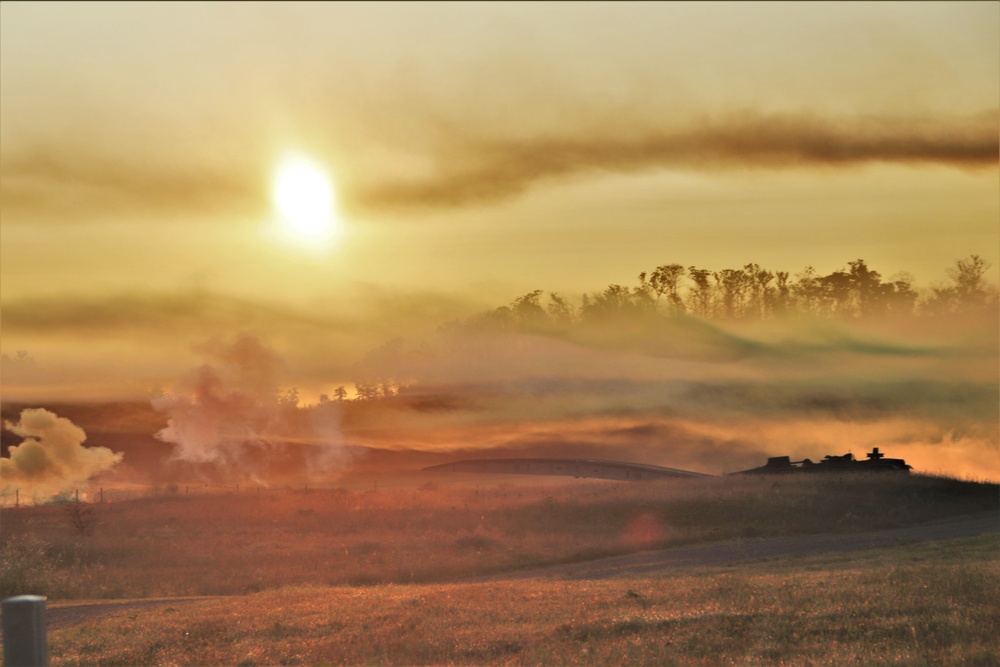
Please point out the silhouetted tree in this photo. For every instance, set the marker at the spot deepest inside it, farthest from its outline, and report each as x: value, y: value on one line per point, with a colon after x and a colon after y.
x: 665, y: 280
x: 617, y: 301
x: 902, y: 298
x: 808, y: 292
x: 760, y: 292
x: 968, y: 277
x: 700, y: 297
x: 967, y: 292
x: 869, y: 295
x: 559, y: 310
x: 526, y: 310
x: 782, y: 296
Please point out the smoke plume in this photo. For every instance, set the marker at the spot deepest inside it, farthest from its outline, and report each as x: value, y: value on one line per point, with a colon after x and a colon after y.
x: 51, y: 459
x: 230, y: 410
x: 476, y: 162
x: 488, y: 169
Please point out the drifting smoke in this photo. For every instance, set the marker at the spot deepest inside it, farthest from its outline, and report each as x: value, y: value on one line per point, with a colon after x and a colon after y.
x: 231, y: 407
x: 475, y: 164
x: 704, y: 396
x: 223, y: 407
x: 494, y: 169
x: 52, y: 459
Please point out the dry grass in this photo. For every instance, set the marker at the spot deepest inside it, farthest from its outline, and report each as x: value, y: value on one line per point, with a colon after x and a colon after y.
x: 922, y: 605
x: 251, y: 542
x: 291, y: 562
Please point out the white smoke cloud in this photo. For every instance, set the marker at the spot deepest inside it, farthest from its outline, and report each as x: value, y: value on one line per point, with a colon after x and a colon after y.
x: 225, y: 405
x: 231, y: 410
x: 51, y: 459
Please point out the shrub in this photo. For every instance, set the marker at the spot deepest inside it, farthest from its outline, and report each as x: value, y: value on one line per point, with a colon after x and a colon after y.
x: 26, y: 567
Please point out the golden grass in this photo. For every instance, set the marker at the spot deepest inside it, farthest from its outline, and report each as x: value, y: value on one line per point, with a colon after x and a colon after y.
x: 254, y: 541
x: 919, y: 605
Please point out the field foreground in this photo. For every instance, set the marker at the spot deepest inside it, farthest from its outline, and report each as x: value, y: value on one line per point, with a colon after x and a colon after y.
x: 387, y: 578
x: 934, y: 603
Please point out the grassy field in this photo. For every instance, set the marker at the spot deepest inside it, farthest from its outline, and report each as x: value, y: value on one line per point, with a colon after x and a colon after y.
x: 244, y: 543
x: 363, y: 577
x: 933, y: 604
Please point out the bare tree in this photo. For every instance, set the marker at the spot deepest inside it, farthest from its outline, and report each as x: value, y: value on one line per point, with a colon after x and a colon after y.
x: 81, y: 516
x: 968, y: 276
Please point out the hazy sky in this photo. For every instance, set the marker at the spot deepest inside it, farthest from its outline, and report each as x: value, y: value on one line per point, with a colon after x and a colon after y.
x: 480, y: 150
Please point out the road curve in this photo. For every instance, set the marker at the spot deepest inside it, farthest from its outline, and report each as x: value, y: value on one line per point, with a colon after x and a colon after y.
x: 64, y: 614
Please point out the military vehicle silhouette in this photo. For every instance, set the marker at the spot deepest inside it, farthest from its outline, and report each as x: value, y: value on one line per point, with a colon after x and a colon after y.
x: 876, y: 462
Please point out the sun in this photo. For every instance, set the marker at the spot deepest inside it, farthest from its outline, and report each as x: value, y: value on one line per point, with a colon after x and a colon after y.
x: 304, y: 196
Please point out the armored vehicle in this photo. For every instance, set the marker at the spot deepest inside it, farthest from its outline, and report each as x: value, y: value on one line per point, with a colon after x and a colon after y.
x: 876, y: 462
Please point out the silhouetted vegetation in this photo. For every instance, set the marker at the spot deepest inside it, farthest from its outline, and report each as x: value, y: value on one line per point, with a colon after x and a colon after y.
x: 753, y: 292
x: 657, y: 313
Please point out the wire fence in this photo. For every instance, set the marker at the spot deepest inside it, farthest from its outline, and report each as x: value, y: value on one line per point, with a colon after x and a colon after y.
x: 10, y: 498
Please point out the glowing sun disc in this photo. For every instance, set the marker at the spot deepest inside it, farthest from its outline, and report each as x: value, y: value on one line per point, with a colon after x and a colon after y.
x: 303, y: 195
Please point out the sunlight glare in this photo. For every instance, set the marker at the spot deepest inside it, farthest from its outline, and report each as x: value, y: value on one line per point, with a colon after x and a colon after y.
x: 304, y: 197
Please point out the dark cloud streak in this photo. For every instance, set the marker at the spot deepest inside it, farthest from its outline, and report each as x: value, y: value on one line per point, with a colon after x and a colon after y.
x: 473, y: 164
x: 498, y: 169
x: 64, y: 182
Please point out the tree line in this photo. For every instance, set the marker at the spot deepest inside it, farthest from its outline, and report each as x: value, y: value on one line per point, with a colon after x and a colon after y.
x: 854, y: 292
x: 752, y: 292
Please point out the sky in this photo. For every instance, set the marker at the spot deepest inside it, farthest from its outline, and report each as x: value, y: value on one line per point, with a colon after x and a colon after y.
x: 477, y: 150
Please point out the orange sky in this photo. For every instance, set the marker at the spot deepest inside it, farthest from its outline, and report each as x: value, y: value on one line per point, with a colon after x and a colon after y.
x: 479, y: 151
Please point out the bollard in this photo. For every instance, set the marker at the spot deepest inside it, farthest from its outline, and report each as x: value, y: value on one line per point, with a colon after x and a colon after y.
x: 24, y: 643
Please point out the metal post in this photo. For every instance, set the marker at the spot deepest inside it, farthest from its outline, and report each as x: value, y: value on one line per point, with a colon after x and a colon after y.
x: 24, y: 643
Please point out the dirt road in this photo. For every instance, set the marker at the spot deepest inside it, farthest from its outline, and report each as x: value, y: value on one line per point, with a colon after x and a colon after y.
x: 65, y: 614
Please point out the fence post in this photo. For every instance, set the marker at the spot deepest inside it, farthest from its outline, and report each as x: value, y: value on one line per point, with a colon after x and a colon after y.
x: 24, y: 643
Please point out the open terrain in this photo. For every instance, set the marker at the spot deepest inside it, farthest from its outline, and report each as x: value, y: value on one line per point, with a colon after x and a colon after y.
x: 824, y: 570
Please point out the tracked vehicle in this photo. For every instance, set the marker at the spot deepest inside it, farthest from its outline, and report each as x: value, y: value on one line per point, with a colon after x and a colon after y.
x: 876, y: 462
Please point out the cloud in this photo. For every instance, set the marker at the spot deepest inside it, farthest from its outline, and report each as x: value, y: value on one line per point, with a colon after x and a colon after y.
x: 165, y: 312
x: 470, y: 162
x: 51, y: 459
x: 146, y: 336
x: 483, y: 170
x: 61, y: 182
